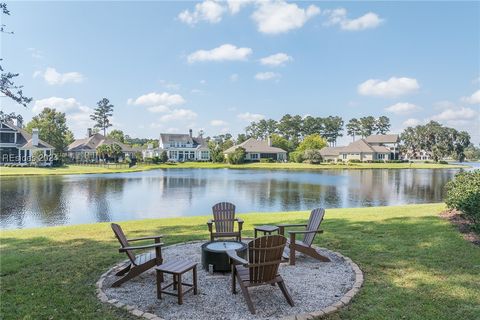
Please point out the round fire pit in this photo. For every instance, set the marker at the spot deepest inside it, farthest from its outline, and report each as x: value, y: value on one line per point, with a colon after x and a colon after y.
x: 215, y: 253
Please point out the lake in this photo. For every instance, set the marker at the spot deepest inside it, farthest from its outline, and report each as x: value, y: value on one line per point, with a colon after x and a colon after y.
x: 65, y: 200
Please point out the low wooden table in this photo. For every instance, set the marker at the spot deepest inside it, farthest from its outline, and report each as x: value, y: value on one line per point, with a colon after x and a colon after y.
x: 176, y: 268
x: 265, y: 229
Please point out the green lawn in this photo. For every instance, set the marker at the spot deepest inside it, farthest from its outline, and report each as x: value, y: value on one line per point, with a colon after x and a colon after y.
x: 417, y: 266
x: 72, y: 169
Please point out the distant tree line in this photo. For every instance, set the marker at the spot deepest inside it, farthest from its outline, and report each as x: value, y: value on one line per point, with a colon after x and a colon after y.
x: 295, y: 128
x: 437, y: 140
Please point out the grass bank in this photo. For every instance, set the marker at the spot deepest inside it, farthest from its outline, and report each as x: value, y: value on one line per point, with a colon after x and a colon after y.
x: 72, y: 169
x: 417, y: 266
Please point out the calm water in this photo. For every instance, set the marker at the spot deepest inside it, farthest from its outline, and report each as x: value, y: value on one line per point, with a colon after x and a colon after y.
x: 64, y: 200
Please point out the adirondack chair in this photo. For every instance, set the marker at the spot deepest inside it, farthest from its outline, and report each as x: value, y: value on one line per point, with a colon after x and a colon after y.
x: 264, y: 257
x: 305, y: 245
x: 140, y: 263
x: 224, y: 220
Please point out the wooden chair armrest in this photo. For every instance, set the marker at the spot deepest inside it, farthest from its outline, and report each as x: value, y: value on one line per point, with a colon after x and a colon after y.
x: 210, y: 225
x: 146, y: 238
x: 303, y: 232
x: 232, y: 254
x: 292, y: 225
x: 239, y: 220
x: 147, y: 246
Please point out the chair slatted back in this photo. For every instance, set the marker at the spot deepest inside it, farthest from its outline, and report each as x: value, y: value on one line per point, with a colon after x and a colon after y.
x: 224, y: 215
x: 117, y: 230
x: 264, y: 257
x: 316, y: 217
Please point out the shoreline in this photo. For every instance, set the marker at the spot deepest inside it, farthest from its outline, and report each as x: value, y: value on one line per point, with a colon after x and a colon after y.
x: 204, y: 217
x: 76, y: 169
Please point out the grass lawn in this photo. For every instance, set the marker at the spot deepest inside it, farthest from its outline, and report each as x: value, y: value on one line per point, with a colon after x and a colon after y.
x: 417, y: 266
x: 72, y: 169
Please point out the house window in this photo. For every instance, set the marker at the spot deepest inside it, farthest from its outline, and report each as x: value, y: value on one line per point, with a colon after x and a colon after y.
x: 254, y: 156
x: 7, y: 137
x: 205, y: 155
x: 344, y: 156
x: 381, y: 156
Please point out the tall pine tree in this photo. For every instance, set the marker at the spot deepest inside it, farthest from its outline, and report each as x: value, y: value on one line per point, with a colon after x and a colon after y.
x: 102, y: 114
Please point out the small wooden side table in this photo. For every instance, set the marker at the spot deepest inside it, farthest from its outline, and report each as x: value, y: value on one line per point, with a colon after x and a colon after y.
x: 265, y: 229
x: 176, y: 268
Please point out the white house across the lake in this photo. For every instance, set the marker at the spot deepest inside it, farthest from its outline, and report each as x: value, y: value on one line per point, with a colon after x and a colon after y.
x: 180, y: 147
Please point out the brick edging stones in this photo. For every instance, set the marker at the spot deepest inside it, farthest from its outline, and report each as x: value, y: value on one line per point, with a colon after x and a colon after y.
x: 331, y: 308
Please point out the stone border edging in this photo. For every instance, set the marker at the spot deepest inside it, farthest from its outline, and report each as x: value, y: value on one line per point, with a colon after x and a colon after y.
x: 345, y: 300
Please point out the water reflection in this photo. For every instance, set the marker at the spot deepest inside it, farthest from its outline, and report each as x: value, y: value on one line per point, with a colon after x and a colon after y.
x: 46, y: 201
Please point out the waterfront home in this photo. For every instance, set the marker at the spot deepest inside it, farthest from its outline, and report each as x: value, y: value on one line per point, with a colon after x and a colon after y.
x: 181, y: 147
x: 85, y: 150
x: 259, y: 149
x: 17, y: 146
x: 391, y: 141
x: 359, y: 150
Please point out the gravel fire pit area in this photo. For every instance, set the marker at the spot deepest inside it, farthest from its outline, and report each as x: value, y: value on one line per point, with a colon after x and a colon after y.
x: 316, y: 287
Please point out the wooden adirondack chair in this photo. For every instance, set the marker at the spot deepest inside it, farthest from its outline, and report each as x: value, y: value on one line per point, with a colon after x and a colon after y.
x: 140, y: 263
x: 264, y: 257
x: 224, y: 220
x: 305, y: 245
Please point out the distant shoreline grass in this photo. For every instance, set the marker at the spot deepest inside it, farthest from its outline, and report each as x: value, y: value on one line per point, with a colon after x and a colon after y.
x: 416, y: 264
x: 76, y: 169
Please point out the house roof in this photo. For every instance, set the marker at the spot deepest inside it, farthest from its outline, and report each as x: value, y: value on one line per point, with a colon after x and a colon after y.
x: 330, y: 151
x: 24, y: 139
x: 253, y: 145
x: 176, y: 137
x: 361, y: 146
x: 198, y: 142
x: 96, y: 140
x: 382, y: 138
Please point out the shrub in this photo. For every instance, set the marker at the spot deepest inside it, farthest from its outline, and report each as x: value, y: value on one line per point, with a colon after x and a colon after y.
x: 296, y: 156
x: 313, y: 156
x: 443, y: 162
x: 463, y: 194
x: 163, y: 156
x: 266, y: 160
x: 237, y: 157
x: 355, y: 161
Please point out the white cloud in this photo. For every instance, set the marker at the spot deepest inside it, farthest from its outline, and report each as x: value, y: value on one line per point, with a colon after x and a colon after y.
x: 403, y: 108
x: 274, y: 17
x: 473, y: 99
x: 208, y: 10
x: 339, y: 17
x: 267, y: 75
x: 392, y: 87
x: 276, y: 60
x: 412, y: 122
x: 60, y: 104
x: 225, y: 52
x: 234, y: 6
x: 158, y: 109
x: 53, y: 77
x: 179, y: 114
x: 457, y: 114
x: 77, y: 114
x: 158, y: 99
x: 36, y: 54
x: 218, y: 123
x: 249, y: 117
x: 234, y: 77
x: 170, y: 85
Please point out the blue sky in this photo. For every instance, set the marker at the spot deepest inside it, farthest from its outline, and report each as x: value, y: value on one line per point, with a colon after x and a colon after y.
x: 170, y: 66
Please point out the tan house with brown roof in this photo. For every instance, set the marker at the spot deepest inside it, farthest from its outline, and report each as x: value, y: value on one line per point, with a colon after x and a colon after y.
x: 86, y: 149
x: 259, y: 149
x: 391, y: 141
x: 359, y: 150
